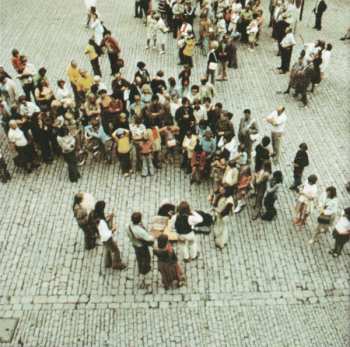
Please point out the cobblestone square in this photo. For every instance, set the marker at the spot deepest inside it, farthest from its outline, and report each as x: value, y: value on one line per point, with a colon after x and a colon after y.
x: 268, y: 287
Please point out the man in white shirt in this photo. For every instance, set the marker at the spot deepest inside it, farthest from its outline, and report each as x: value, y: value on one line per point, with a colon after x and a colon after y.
x: 287, y: 44
x: 341, y: 233
x: 277, y: 119
x: 137, y: 130
x: 25, y: 151
x: 8, y: 90
x: 27, y: 108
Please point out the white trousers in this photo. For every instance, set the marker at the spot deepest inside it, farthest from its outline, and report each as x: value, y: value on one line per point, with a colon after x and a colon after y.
x: 188, y: 247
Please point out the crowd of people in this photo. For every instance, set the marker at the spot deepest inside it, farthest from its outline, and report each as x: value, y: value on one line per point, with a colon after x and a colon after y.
x: 153, y: 120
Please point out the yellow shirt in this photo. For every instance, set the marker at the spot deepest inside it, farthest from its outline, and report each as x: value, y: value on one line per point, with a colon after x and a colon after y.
x: 91, y: 52
x: 188, y: 50
x: 85, y: 83
x: 123, y: 144
x: 73, y: 75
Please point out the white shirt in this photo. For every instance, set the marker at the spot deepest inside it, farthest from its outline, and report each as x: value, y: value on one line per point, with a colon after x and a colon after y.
x: 28, y: 109
x: 63, y: 93
x: 308, y: 193
x: 288, y: 40
x: 194, y: 219
x: 137, y: 131
x: 329, y: 206
x: 326, y: 57
x: 343, y: 226
x: 104, y: 231
x: 17, y: 137
x: 278, y: 122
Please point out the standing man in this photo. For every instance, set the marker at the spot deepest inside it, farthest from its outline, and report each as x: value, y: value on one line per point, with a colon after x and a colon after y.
x: 93, y: 52
x: 4, y: 173
x: 74, y: 76
x: 248, y: 131
x: 319, y: 9
x: 113, y: 51
x: 287, y: 45
x: 277, y: 119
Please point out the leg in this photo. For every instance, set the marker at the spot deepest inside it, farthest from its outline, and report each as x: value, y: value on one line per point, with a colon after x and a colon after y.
x: 108, y: 255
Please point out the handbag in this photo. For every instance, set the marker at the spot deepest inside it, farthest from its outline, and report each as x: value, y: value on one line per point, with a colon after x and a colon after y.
x: 324, y: 219
x: 212, y: 66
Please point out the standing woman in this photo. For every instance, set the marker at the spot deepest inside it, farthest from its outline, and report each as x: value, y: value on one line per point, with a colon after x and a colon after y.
x: 271, y: 196
x: 341, y: 233
x: 260, y: 180
x: 67, y: 143
x: 184, y: 223
x: 140, y: 240
x: 307, y: 195
x: 89, y: 4
x: 97, y: 26
x: 328, y: 210
x: 106, y: 229
x: 212, y: 63
x: 223, y: 203
x: 168, y: 266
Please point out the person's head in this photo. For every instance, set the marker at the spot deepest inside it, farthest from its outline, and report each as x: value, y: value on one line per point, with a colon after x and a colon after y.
x: 91, y: 98
x: 204, y: 81
x: 303, y: 147
x: 185, y: 102
x: 214, y: 45
x: 198, y: 148
x: 331, y: 192
x: 329, y: 47
x: 13, y: 124
x: 74, y: 64
x: 78, y: 198
x: 160, y: 74
x: 218, y: 106
x: 83, y: 73
x: 247, y: 113
x: 63, y: 132
x: 172, y: 82
x: 22, y: 100
x: 15, y: 53
x: 155, y: 99
x: 162, y: 241
x: 280, y: 109
x: 232, y: 163
x: 136, y: 218
x: 194, y: 89
x: 141, y: 65
x: 312, y: 179
x: 23, y: 59
x: 184, y: 208
x: 208, y: 135
x: 277, y: 176
x: 107, y: 33
x: 42, y: 72
x: 61, y: 83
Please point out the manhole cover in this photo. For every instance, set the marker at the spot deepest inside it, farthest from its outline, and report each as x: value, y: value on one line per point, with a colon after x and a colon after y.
x: 7, y: 329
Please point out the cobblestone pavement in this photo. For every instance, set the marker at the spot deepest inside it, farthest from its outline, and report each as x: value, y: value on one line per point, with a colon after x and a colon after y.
x: 267, y: 288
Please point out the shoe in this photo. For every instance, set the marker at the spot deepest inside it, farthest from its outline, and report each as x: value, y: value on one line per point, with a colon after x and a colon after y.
x: 286, y: 92
x: 147, y: 47
x: 121, y: 266
x: 161, y: 52
x: 335, y: 255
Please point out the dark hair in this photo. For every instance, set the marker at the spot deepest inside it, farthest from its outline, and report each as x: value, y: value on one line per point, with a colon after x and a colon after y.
x: 155, y: 97
x: 42, y: 71
x: 184, y: 208
x: 303, y: 146
x: 15, y: 52
x: 265, y: 141
x: 77, y: 199
x: 329, y: 46
x: 100, y: 209
x: 312, y: 179
x: 277, y: 176
x: 347, y: 212
x: 195, y: 87
x: 219, y: 105
x: 332, y: 192
x: 162, y: 240
x: 136, y: 218
x: 247, y: 111
x: 160, y: 73
x: 63, y: 131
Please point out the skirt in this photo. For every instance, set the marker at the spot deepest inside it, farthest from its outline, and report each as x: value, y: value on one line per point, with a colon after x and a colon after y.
x: 143, y: 258
x: 170, y: 272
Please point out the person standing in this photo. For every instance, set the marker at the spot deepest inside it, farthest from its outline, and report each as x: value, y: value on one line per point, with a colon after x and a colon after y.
x: 74, y: 76
x: 4, y: 173
x: 341, y: 233
x: 248, y: 131
x: 83, y: 205
x: 93, y: 51
x: 146, y: 150
x: 106, y: 229
x: 24, y: 149
x: 168, y: 266
x: 326, y: 57
x: 212, y: 62
x: 185, y: 220
x: 113, y: 51
x: 140, y: 240
x: 307, y: 195
x: 271, y: 196
x: 328, y: 210
x: 277, y: 119
x: 67, y: 143
x: 319, y: 9
x: 222, y: 204
x: 89, y: 4
x: 301, y: 160
x: 287, y: 44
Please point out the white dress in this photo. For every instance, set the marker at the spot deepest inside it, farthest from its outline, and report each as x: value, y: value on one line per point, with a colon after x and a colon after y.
x: 97, y: 27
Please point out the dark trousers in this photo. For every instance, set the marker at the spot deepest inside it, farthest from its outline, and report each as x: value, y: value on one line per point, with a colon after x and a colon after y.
x: 4, y: 174
x: 26, y: 157
x: 340, y: 241
x: 270, y: 210
x: 138, y: 9
x: 318, y: 21
x: 76, y: 95
x: 28, y: 90
x: 125, y: 163
x: 89, y: 236
x: 112, y: 254
x: 113, y: 61
x: 96, y: 67
x: 297, y: 174
x: 71, y: 160
x: 286, y: 54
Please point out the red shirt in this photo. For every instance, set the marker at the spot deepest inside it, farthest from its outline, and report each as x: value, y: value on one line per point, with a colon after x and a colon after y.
x: 17, y: 64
